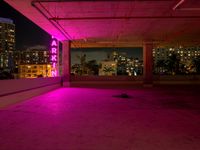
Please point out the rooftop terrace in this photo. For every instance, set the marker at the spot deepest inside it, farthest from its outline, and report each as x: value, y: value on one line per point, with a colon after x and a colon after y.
x: 154, y: 118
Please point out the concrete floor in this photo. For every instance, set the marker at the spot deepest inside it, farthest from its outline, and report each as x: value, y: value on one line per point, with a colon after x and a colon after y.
x: 158, y: 118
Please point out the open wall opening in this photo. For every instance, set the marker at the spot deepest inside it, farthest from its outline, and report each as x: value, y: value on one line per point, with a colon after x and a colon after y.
x: 178, y: 63
x: 176, y: 60
x: 112, y: 62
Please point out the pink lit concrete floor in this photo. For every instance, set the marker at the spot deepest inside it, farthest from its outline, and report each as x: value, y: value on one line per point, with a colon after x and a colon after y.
x: 92, y: 119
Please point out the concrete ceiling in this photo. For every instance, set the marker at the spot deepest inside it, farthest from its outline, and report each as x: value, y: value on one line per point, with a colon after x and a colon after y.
x: 117, y: 22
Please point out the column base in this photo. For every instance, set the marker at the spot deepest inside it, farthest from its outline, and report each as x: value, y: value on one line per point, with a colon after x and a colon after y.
x: 148, y: 85
x: 66, y: 84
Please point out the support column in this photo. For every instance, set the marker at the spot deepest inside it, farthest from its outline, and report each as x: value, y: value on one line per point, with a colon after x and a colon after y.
x: 66, y: 62
x: 148, y: 63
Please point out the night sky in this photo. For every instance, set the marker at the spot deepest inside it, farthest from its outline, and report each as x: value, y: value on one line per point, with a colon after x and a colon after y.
x: 27, y: 33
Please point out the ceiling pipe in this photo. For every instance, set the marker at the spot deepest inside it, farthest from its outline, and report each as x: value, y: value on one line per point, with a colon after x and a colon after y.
x: 35, y: 1
x: 185, y: 9
x: 190, y: 9
x: 69, y: 37
x: 178, y: 4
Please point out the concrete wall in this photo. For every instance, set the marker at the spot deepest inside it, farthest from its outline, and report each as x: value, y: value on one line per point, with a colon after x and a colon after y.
x: 105, y: 81
x: 177, y: 79
x: 137, y: 78
x: 106, y: 78
x: 77, y: 81
x: 14, y: 91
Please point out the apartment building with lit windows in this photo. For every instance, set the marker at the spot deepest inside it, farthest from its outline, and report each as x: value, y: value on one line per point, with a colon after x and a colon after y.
x: 35, y: 70
x: 184, y: 55
x: 35, y: 62
x: 7, y: 43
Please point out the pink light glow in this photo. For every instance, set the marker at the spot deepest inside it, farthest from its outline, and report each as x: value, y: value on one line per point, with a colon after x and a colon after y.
x: 54, y: 73
x: 54, y: 65
x: 53, y: 58
x: 152, y: 119
x: 54, y: 43
x: 54, y: 47
x: 54, y: 50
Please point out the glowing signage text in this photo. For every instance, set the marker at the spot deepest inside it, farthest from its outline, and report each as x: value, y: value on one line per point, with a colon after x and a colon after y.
x: 54, y: 51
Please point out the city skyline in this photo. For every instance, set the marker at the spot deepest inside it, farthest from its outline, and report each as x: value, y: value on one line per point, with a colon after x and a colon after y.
x: 100, y: 54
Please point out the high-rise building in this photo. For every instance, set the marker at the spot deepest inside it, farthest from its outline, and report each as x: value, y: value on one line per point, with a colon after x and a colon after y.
x: 127, y: 65
x: 7, y: 43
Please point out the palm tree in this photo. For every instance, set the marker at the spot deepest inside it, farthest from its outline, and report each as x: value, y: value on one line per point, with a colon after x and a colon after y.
x: 172, y: 63
x: 93, y: 67
x: 108, y: 69
x: 160, y: 66
x: 82, y: 59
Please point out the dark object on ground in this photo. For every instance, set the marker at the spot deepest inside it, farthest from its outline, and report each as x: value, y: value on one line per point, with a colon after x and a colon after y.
x: 123, y: 95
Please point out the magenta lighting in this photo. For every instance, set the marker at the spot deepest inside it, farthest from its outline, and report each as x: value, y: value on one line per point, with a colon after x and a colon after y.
x: 54, y: 52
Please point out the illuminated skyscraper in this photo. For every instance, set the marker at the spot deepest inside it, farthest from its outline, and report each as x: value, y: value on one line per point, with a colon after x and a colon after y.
x: 7, y: 43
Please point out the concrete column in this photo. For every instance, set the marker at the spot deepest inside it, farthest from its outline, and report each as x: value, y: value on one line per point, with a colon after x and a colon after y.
x: 148, y: 63
x: 66, y: 62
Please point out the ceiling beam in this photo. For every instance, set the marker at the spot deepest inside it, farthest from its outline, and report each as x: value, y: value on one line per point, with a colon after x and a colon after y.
x: 125, y: 17
x: 52, y: 22
x: 55, y: 24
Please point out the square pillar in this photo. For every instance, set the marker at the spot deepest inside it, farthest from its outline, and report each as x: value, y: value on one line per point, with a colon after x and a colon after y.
x: 148, y: 63
x: 66, y: 62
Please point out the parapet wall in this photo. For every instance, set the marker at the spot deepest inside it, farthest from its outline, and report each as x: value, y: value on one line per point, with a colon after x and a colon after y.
x: 14, y: 91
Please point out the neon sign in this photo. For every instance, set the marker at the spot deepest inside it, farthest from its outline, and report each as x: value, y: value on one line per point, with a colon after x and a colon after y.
x: 54, y: 56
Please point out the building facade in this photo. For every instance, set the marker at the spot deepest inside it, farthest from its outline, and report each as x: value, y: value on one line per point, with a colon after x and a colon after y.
x: 7, y: 44
x: 34, y: 62
x: 35, y: 70
x: 34, y: 56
